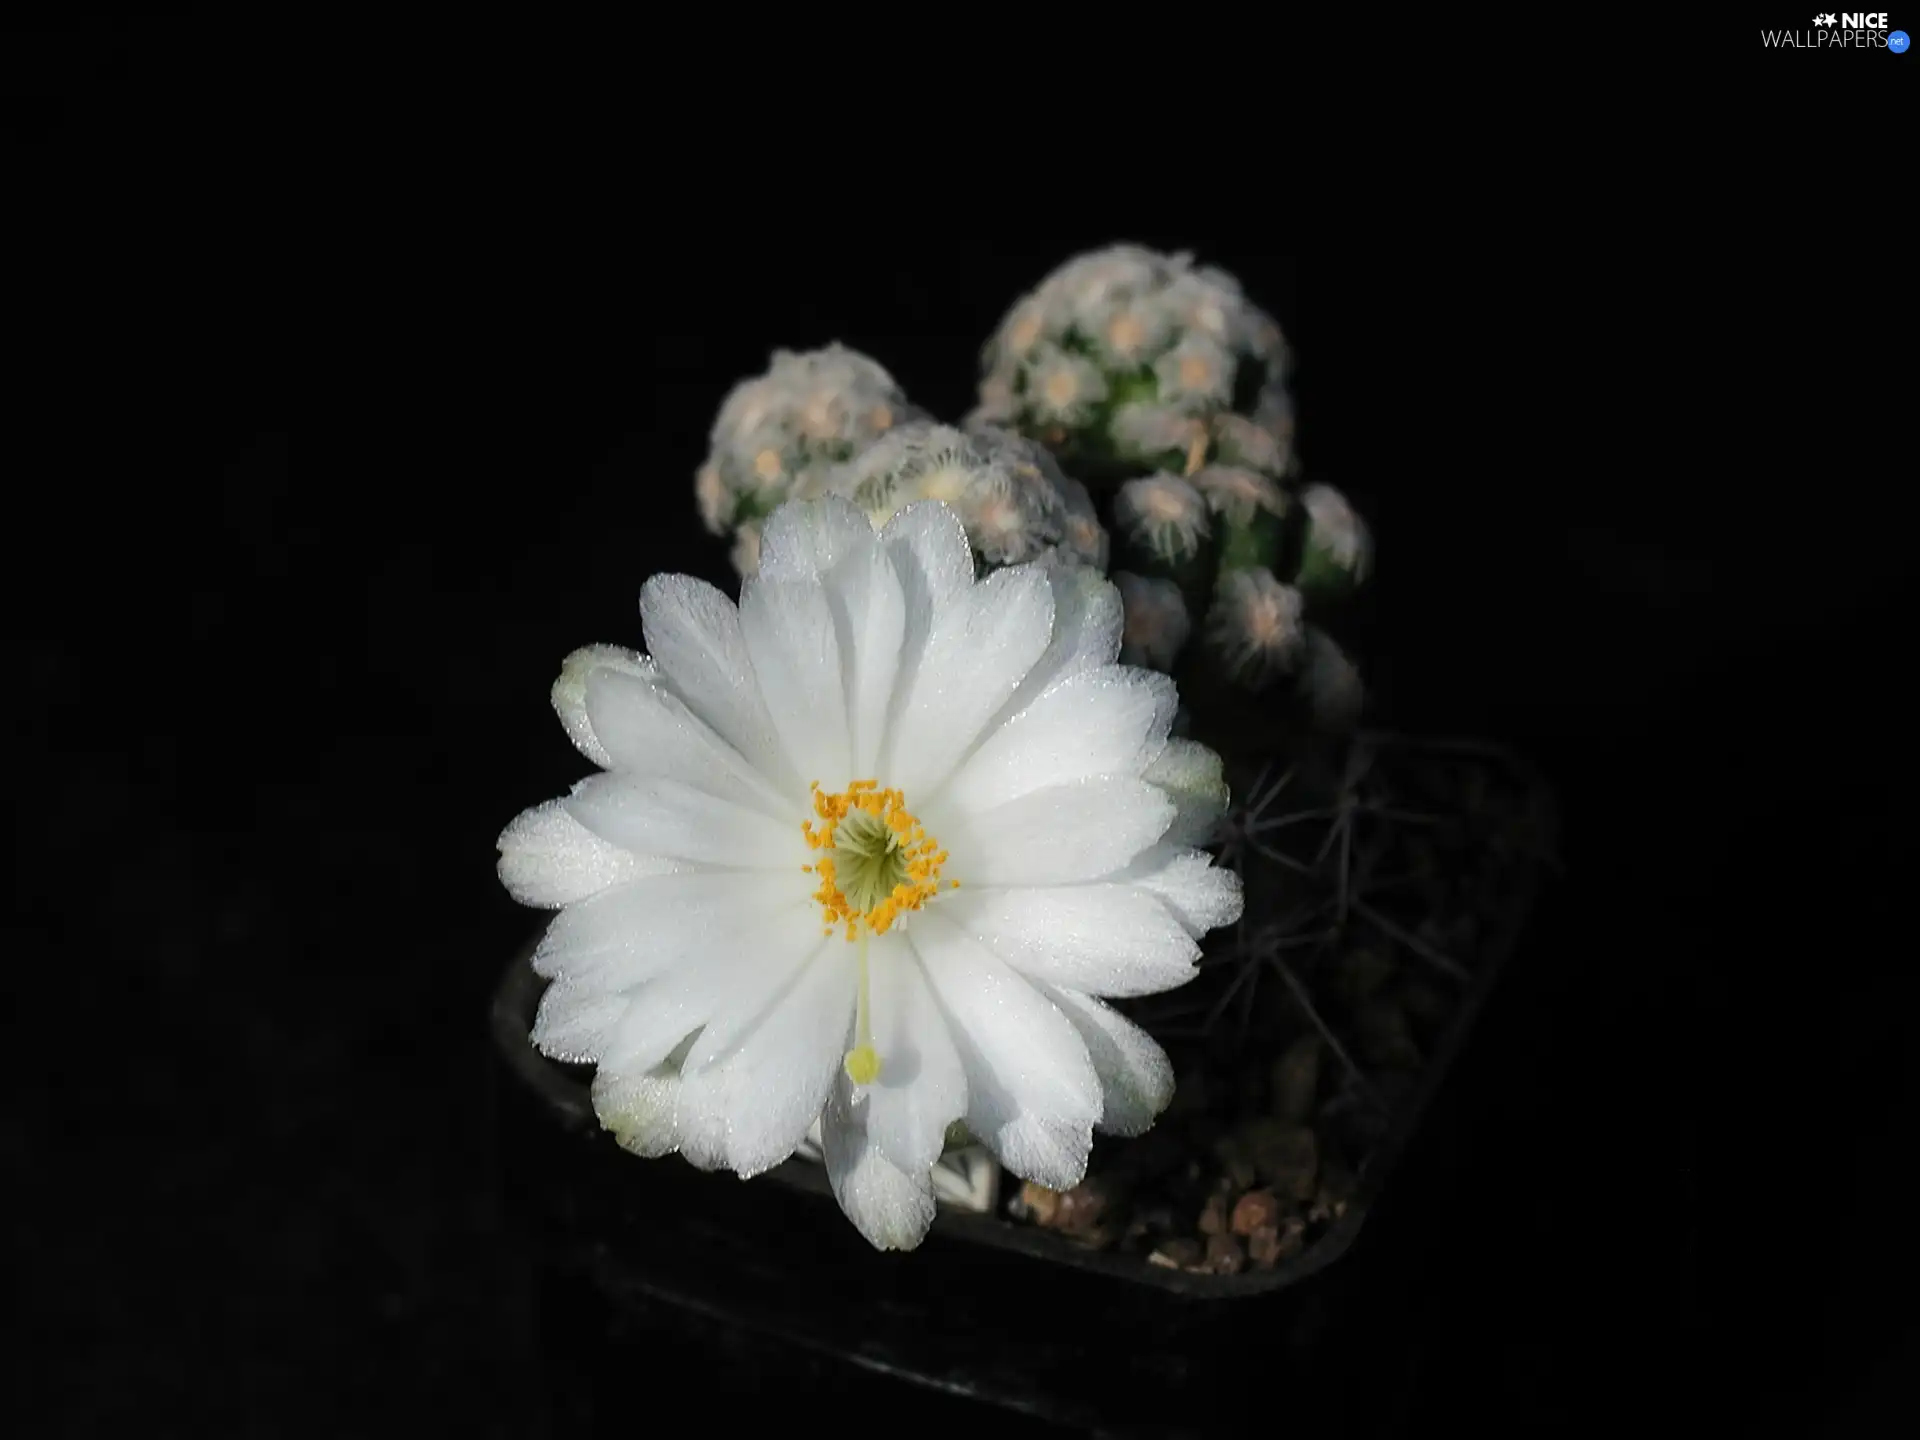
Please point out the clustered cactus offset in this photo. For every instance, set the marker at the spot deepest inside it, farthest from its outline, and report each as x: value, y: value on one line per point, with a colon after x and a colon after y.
x: 1133, y: 413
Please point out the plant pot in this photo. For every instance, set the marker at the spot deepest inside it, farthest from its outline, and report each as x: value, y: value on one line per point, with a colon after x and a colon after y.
x: 1011, y: 1313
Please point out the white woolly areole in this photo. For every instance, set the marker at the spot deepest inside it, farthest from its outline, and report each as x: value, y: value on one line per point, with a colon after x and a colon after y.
x: 865, y: 849
x: 1163, y: 513
x: 1255, y: 624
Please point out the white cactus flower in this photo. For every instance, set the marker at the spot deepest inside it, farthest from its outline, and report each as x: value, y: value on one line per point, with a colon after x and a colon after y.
x: 1163, y: 513
x: 1157, y: 624
x: 866, y: 849
x: 1256, y: 626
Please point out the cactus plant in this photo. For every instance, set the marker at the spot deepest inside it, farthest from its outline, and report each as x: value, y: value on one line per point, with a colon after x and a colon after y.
x: 1131, y: 395
x: 1163, y: 387
x: 780, y: 435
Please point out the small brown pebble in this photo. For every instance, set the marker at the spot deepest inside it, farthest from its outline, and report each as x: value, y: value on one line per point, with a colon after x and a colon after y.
x: 1225, y: 1255
x: 1214, y: 1215
x: 1270, y: 1244
x: 1296, y: 1076
x: 1286, y: 1156
x: 1385, y: 1037
x: 1254, y: 1210
x: 1041, y: 1203
x: 1263, y: 1247
x: 1080, y: 1210
x: 1180, y: 1254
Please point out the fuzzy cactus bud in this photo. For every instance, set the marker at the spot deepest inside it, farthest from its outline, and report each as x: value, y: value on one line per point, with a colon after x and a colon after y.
x: 1155, y: 625
x: 1164, y: 517
x: 1256, y: 629
x: 1336, y: 550
x: 1007, y: 490
x: 778, y: 436
x: 1125, y: 359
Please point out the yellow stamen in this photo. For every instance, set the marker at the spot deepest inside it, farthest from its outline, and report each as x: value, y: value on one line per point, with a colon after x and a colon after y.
x: 877, y: 864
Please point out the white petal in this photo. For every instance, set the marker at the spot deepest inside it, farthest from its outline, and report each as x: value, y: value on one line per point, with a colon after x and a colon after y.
x: 1032, y: 1093
x: 1198, y: 893
x: 807, y: 540
x: 890, y: 1207
x: 777, y: 1082
x: 1110, y: 721
x: 1056, y: 836
x: 978, y: 651
x: 870, y: 617
x: 1192, y: 775
x: 549, y: 859
x: 789, y: 629
x: 700, y: 1118
x: 926, y: 546
x: 654, y: 816
x: 627, y: 935
x: 645, y: 729
x: 664, y: 1012
x: 693, y: 634
x: 574, y: 1022
x: 637, y: 1106
x: 922, y: 1087
x: 570, y: 691
x: 1087, y: 621
x: 1136, y: 1078
x: 1105, y: 939
x: 767, y: 965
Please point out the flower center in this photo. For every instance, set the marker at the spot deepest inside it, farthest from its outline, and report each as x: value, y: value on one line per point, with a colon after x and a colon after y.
x: 876, y: 863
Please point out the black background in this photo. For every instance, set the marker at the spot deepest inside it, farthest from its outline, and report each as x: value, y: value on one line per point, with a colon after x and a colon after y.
x: 339, y: 436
